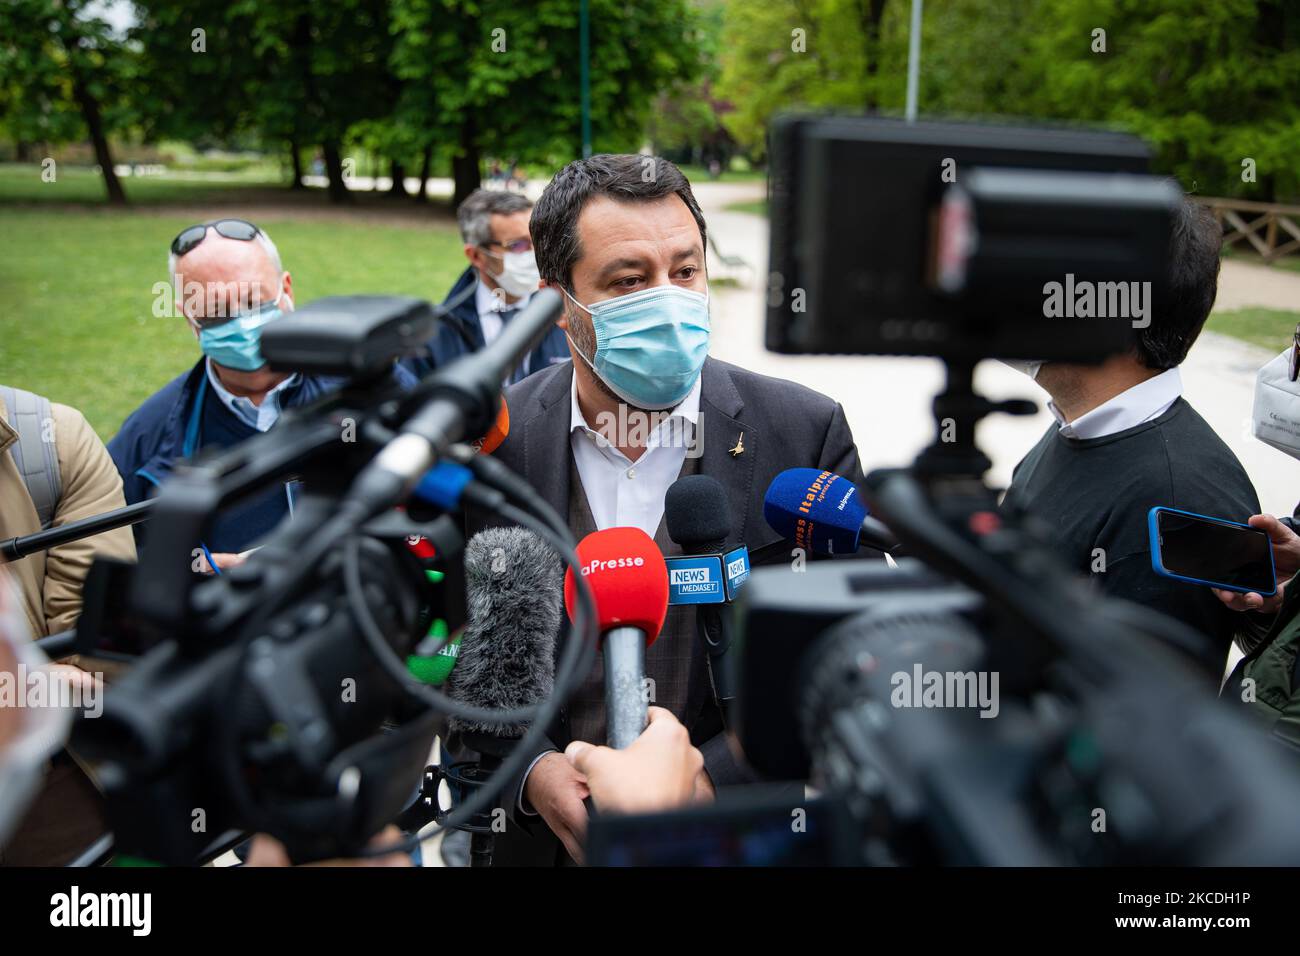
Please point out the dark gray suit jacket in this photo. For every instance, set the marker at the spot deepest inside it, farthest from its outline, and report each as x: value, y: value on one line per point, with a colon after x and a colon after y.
x: 784, y: 426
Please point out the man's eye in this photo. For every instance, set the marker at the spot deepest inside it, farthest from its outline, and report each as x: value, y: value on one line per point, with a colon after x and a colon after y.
x: 689, y: 272
x: 627, y: 282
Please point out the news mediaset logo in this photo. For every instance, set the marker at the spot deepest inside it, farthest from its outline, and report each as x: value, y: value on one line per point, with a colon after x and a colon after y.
x: 695, y: 580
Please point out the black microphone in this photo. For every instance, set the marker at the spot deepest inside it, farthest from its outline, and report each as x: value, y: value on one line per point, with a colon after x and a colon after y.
x: 514, y: 591
x: 698, y: 520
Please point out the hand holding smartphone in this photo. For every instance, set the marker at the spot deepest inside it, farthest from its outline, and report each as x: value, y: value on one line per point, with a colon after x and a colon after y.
x: 1217, y: 552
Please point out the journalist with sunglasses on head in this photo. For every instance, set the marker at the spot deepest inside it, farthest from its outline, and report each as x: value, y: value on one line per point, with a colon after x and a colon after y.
x: 229, y: 284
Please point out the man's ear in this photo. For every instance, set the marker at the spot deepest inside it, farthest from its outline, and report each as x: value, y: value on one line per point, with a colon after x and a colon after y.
x: 286, y: 287
x: 475, y: 256
x: 563, y: 320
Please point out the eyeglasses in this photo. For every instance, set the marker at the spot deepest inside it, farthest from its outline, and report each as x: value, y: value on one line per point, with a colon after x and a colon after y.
x: 514, y: 245
x: 1295, y: 354
x: 191, y: 236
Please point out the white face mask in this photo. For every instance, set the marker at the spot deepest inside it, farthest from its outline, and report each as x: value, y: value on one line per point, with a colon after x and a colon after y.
x: 1276, y: 417
x: 519, y: 276
x: 43, y: 731
x: 1020, y: 365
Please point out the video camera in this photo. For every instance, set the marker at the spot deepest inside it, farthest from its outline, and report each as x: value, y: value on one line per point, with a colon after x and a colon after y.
x: 275, y: 697
x: 977, y: 704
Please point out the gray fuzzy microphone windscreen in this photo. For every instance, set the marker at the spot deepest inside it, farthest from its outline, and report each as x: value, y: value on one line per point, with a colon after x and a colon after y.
x: 514, y: 589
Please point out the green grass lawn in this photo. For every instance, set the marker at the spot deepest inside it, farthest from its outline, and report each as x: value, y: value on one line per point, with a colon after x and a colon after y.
x: 755, y: 207
x: 1272, y: 329
x: 77, y: 284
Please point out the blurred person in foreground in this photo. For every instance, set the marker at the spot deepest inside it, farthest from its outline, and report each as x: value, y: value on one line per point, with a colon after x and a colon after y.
x: 1125, y: 440
x: 54, y: 470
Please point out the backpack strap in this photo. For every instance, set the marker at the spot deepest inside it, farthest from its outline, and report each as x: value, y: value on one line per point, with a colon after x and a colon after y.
x: 37, y: 459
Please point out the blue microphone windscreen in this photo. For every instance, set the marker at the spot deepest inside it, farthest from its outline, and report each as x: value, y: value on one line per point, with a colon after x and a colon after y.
x: 817, y: 510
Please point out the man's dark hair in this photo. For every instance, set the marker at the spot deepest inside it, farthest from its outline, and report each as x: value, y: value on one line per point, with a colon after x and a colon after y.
x: 1193, y: 282
x: 625, y: 177
x: 476, y: 212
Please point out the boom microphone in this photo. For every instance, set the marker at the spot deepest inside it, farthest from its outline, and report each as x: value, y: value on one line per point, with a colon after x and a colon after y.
x: 507, y: 650
x: 821, y: 511
x: 629, y: 580
x: 506, y: 658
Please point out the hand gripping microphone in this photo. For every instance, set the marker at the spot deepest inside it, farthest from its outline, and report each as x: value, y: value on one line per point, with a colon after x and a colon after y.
x: 823, y: 512
x: 698, y: 519
x: 629, y: 580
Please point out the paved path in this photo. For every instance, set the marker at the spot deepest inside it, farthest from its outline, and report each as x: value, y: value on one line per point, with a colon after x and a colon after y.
x: 887, y: 400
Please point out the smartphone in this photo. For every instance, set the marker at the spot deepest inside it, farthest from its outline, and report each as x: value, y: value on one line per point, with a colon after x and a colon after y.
x: 1214, y: 551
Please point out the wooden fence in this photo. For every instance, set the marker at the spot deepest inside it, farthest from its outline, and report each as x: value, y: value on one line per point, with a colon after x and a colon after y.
x: 1271, y: 228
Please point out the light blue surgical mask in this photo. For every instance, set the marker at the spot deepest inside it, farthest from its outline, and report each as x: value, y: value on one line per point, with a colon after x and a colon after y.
x: 237, y: 343
x: 650, y: 345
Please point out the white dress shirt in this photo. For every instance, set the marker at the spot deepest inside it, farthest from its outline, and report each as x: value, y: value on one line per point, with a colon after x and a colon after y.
x: 624, y: 493
x: 1143, y: 402
x: 261, y: 417
x: 489, y: 308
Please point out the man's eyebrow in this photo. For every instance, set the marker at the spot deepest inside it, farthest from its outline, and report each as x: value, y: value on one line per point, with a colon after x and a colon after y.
x: 617, y: 264
x: 693, y: 252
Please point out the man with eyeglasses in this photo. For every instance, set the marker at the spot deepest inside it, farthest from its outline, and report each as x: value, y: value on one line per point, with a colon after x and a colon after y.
x: 229, y: 285
x: 500, y: 279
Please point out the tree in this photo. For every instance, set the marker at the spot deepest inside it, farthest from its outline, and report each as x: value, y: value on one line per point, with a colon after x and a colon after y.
x: 841, y: 54
x: 499, y: 78
x: 1211, y: 85
x: 63, y: 76
x: 295, y: 71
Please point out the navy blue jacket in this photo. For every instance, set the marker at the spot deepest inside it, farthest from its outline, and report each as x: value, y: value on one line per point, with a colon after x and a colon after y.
x: 184, y: 417
x: 460, y: 333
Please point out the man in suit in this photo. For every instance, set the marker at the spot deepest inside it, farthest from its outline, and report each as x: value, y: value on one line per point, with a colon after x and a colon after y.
x: 499, y: 281
x: 602, y: 437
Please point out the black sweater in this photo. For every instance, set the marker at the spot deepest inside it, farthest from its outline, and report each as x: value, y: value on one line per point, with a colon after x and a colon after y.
x: 1096, y: 493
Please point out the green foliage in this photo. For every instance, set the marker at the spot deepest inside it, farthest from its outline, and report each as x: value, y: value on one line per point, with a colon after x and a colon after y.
x: 46, y: 45
x: 1208, y: 84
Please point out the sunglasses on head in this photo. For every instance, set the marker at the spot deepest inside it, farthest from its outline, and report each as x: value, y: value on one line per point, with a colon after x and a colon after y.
x: 191, y: 236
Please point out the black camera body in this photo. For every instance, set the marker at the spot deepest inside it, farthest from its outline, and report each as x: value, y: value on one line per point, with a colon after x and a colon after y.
x: 893, y: 238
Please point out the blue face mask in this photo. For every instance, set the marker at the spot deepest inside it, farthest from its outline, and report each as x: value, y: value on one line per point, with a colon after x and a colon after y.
x: 650, y: 345
x: 237, y: 344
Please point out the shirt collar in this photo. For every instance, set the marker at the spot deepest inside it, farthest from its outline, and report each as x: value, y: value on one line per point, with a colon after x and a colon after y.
x: 485, y: 302
x: 244, y: 407
x: 688, y: 409
x: 1131, y: 407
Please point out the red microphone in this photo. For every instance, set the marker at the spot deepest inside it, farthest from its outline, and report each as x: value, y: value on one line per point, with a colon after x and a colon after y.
x: 629, y: 580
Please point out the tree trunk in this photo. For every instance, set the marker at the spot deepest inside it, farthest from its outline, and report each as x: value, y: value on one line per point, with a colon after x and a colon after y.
x: 22, y: 151
x: 425, y: 163
x: 398, y: 189
x: 338, y: 189
x: 872, y: 15
x: 465, y: 164
x: 95, y: 124
x: 296, y: 155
